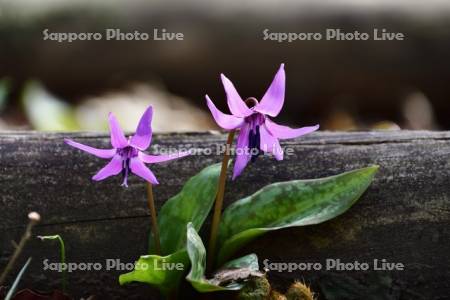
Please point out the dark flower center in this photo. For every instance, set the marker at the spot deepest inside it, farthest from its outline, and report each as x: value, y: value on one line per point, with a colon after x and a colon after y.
x: 126, y: 153
x: 254, y: 138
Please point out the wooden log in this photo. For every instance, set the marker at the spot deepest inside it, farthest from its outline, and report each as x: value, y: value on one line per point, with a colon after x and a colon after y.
x: 404, y: 216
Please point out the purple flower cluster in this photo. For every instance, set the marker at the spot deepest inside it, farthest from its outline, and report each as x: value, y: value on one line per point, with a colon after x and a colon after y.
x: 258, y: 134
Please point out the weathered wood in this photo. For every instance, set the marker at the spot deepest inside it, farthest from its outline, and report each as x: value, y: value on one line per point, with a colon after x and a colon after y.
x: 404, y: 217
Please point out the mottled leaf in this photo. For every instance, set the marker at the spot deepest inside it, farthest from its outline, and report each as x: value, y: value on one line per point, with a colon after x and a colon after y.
x: 288, y: 204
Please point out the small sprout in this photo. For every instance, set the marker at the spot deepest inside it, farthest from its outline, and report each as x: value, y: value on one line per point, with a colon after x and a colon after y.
x: 63, y: 255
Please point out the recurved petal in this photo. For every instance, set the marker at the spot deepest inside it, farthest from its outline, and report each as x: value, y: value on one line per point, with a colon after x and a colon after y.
x: 118, y: 139
x: 152, y: 159
x: 243, y: 154
x: 225, y: 121
x: 285, y: 132
x: 114, y: 167
x: 102, y: 153
x: 235, y: 103
x: 138, y: 168
x: 143, y: 136
x: 272, y: 101
x: 270, y: 144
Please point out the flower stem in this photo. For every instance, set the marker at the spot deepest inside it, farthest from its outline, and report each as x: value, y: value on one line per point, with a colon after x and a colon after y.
x: 151, y: 206
x: 219, y: 202
x: 34, y: 218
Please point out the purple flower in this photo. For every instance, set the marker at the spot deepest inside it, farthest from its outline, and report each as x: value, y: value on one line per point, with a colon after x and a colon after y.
x: 127, y: 155
x: 258, y: 133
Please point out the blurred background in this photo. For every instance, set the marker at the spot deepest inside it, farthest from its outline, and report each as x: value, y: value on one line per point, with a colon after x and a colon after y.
x: 343, y: 85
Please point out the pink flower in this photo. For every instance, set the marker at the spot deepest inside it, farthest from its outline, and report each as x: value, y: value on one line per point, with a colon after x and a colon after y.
x: 127, y: 155
x: 258, y: 133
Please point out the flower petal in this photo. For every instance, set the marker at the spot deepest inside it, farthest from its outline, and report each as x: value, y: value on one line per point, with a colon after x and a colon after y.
x: 152, y: 159
x: 235, y: 103
x: 225, y: 121
x: 139, y: 169
x: 269, y: 143
x: 272, y: 101
x: 143, y: 136
x: 118, y: 139
x: 243, y: 155
x: 285, y: 132
x: 102, y: 153
x: 114, y: 167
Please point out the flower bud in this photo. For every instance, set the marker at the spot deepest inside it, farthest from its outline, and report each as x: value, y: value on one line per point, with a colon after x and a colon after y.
x: 34, y: 216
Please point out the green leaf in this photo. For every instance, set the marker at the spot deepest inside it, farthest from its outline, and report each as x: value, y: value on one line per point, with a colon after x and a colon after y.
x: 288, y: 204
x: 226, y: 279
x: 191, y: 204
x: 153, y: 270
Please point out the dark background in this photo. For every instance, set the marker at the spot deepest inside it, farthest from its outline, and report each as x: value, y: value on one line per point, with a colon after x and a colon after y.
x: 341, y: 84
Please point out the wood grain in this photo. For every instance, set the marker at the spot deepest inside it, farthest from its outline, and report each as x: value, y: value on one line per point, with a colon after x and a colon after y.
x: 404, y: 217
